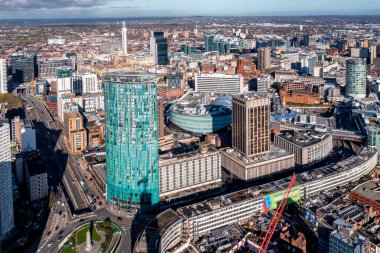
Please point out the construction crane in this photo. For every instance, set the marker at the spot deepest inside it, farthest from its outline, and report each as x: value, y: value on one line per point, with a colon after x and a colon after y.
x: 277, y: 217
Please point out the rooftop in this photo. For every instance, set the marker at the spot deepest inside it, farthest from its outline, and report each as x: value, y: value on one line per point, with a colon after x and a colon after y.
x: 303, y: 138
x: 274, y: 153
x: 35, y: 166
x: 202, y: 104
x: 369, y: 190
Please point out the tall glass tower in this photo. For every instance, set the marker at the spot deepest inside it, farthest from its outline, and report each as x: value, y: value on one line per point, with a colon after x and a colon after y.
x: 356, y: 78
x: 131, y: 138
x: 159, y: 48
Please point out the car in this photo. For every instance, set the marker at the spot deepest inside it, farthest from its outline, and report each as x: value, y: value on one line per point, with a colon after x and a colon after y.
x: 119, y: 218
x: 97, y: 197
x: 49, y: 233
x: 50, y: 243
x: 56, y: 228
x: 60, y: 213
x: 63, y: 204
x: 61, y: 232
x: 100, y: 203
x: 59, y: 202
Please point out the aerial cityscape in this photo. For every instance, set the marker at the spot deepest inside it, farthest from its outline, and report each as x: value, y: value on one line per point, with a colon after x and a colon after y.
x: 189, y: 127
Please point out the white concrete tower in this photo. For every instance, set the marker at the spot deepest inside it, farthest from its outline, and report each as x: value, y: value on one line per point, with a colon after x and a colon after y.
x: 124, y: 38
x: 3, y: 76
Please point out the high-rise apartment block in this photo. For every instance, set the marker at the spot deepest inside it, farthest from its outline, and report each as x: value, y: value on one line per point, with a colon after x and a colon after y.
x: 124, y: 40
x: 3, y: 76
x: 356, y: 78
x: 250, y: 124
x: 6, y: 194
x: 75, y: 133
x: 86, y: 83
x: 263, y: 59
x: 131, y: 137
x: 159, y: 48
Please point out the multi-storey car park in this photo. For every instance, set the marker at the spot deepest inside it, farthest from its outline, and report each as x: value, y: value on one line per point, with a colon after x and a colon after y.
x: 197, y: 219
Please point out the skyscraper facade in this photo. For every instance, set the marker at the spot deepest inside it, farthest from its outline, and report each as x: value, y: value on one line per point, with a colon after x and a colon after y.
x: 6, y: 194
x: 131, y: 138
x: 159, y: 48
x: 356, y: 78
x: 209, y: 43
x: 24, y: 68
x: 250, y: 124
x: 263, y: 58
x: 124, y: 39
x: 3, y: 76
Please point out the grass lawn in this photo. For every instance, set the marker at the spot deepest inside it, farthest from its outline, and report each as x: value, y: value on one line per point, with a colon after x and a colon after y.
x: 81, y: 235
x: 68, y: 250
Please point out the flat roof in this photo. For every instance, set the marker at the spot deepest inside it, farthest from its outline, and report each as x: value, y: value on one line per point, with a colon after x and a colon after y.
x: 303, y: 138
x: 274, y: 153
x: 369, y: 190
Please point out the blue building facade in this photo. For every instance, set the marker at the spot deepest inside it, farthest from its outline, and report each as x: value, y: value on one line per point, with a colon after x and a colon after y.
x: 131, y: 138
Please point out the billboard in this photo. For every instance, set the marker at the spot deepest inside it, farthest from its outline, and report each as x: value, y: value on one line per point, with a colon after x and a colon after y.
x: 271, y: 201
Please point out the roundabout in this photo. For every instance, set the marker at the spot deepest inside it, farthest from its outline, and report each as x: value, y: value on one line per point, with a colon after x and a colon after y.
x: 93, y: 236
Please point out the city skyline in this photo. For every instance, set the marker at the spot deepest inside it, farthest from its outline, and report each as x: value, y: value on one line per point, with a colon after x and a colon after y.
x: 152, y: 8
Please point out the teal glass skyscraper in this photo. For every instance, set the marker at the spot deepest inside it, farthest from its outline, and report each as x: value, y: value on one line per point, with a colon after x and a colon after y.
x: 131, y: 138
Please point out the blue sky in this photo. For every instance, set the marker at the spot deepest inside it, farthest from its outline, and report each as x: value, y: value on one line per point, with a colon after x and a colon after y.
x: 143, y: 8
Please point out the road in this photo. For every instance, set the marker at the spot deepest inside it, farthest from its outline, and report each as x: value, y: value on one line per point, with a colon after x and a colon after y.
x: 65, y: 175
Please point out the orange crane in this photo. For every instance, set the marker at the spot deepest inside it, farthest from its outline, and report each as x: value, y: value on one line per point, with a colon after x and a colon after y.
x: 277, y: 217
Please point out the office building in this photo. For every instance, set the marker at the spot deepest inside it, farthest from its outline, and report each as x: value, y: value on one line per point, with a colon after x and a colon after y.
x: 356, y: 78
x: 260, y: 84
x: 6, y: 194
x: 124, y: 39
x: 209, y: 43
x: 36, y: 179
x: 250, y: 124
x: 307, y: 146
x: 131, y: 138
x: 159, y: 48
x: 3, y: 76
x: 48, y: 68
x: 23, y: 68
x: 359, y: 52
x: 74, y: 132
x: 306, y: 40
x: 263, y: 59
x: 219, y: 83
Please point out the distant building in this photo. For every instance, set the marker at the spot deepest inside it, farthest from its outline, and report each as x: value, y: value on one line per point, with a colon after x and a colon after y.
x: 36, y: 179
x: 219, y: 83
x: 3, y: 76
x: 250, y: 124
x: 86, y: 83
x: 74, y: 132
x: 48, y: 68
x: 367, y: 194
x: 209, y: 43
x: 16, y: 131
x: 124, y: 39
x: 356, y: 78
x: 131, y: 125
x: 64, y: 79
x: 263, y: 59
x: 260, y: 84
x: 6, y: 195
x: 176, y: 81
x: 56, y: 41
x: 23, y: 68
x: 159, y: 48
